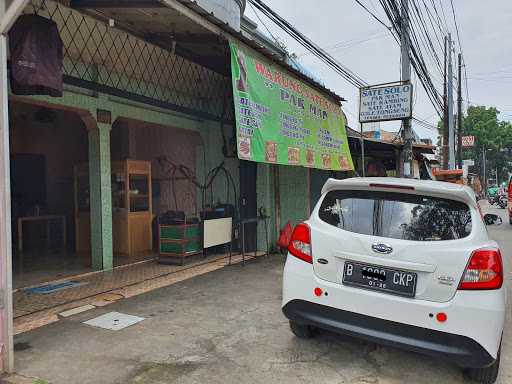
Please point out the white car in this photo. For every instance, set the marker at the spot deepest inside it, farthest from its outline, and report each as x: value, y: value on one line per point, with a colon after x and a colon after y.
x: 401, y: 262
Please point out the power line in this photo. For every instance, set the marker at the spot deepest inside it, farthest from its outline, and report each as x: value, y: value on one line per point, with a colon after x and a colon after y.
x: 436, y: 20
x: 444, y: 15
x: 345, y: 72
x: 425, y: 124
x: 262, y: 22
x: 372, y: 14
x: 460, y: 48
x: 392, y: 11
x: 346, y: 44
x: 424, y: 36
x: 424, y: 42
x: 456, y: 25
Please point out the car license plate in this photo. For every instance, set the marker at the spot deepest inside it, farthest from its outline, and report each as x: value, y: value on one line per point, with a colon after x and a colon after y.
x: 380, y: 279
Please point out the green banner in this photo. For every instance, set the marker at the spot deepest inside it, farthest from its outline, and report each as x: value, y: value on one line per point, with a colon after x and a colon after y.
x: 281, y: 120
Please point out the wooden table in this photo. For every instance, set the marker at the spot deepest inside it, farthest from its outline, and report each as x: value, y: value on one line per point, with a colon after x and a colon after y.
x: 47, y: 219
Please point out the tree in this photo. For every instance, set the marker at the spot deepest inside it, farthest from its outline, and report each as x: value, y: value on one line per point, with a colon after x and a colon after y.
x: 490, y: 133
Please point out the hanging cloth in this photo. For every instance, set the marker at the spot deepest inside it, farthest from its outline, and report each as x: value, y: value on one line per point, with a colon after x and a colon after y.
x: 36, y: 57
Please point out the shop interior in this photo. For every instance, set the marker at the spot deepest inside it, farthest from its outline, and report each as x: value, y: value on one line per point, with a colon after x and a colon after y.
x: 160, y: 205
x: 45, y: 145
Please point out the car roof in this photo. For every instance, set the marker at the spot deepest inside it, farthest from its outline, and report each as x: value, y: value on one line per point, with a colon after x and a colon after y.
x: 412, y: 186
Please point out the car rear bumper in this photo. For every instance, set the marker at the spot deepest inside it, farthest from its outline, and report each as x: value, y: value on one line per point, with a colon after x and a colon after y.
x: 472, y: 315
x: 459, y: 349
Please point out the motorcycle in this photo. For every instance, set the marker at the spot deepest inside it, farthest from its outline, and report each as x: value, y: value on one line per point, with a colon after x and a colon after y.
x: 503, y: 201
x: 499, y: 200
x: 492, y: 200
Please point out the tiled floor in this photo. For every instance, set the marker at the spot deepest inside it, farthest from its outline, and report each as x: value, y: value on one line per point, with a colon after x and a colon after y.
x: 31, y: 310
x: 34, y: 268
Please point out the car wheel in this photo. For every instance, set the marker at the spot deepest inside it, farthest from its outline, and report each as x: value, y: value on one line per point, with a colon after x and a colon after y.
x: 487, y: 375
x: 510, y: 220
x: 302, y: 331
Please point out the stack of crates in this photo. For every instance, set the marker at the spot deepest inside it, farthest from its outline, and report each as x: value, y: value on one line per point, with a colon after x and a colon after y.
x: 179, y: 241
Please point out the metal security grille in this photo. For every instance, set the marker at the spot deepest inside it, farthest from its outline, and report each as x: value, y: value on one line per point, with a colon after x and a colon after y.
x: 109, y: 60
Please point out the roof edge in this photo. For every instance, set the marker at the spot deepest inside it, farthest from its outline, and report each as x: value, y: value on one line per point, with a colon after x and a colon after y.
x: 229, y: 32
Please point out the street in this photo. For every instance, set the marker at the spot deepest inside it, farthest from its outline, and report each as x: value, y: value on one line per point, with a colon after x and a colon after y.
x: 157, y: 155
x: 224, y: 327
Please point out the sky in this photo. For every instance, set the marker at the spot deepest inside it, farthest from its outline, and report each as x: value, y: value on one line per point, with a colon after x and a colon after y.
x: 360, y: 43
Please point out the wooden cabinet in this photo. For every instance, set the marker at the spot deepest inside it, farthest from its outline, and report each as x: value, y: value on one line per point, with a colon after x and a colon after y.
x: 131, y: 207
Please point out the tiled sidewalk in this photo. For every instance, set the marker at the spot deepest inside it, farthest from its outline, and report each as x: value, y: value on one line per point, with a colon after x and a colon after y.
x: 32, y: 310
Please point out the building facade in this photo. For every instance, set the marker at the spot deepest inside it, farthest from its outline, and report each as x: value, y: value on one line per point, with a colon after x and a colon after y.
x: 144, y: 81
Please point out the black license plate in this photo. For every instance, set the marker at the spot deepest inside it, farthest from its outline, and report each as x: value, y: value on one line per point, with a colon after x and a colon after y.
x: 377, y: 278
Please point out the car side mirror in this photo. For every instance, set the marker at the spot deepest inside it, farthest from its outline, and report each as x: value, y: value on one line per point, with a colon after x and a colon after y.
x: 492, y: 219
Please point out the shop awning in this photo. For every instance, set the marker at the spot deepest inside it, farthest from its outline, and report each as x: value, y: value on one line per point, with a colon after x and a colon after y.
x: 186, y: 28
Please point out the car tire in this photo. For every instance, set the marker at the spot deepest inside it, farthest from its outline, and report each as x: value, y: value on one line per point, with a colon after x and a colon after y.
x: 302, y: 331
x: 510, y: 220
x: 487, y: 375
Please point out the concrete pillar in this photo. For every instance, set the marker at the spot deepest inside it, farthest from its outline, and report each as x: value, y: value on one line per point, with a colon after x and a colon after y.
x: 9, y: 12
x: 6, y: 322
x: 265, y: 195
x: 101, y: 196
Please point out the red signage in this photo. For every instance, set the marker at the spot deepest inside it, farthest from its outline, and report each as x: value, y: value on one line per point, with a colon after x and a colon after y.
x: 468, y: 141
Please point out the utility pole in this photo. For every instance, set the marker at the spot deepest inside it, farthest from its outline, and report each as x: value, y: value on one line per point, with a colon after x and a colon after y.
x: 484, y: 169
x: 363, y: 165
x: 445, y: 107
x: 459, y: 115
x: 451, y: 128
x: 406, y: 78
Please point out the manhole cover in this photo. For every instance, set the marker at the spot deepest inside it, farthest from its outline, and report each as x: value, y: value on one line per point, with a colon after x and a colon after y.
x: 114, y: 321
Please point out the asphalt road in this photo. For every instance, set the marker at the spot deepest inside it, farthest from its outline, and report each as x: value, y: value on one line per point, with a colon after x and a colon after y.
x: 225, y: 327
x: 503, y: 235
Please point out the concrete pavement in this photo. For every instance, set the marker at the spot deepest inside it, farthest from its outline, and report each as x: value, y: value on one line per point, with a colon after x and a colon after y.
x: 224, y: 327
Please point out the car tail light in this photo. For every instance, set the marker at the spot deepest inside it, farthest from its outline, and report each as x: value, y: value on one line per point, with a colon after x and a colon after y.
x: 300, y: 243
x: 484, y: 271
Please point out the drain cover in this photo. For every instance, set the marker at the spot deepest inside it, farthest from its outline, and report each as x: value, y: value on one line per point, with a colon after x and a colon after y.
x: 114, y: 321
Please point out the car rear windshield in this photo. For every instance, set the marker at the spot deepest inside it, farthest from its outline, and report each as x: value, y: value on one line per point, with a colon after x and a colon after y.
x: 397, y: 215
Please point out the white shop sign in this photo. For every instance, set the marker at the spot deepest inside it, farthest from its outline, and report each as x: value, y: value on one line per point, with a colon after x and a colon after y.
x: 384, y: 103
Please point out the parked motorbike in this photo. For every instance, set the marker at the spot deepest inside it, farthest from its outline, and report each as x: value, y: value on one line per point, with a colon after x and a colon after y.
x: 499, y: 200
x: 492, y: 200
x: 503, y: 201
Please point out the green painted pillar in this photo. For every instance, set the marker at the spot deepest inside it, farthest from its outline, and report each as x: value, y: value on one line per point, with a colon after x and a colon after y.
x: 265, y: 195
x: 101, y: 197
